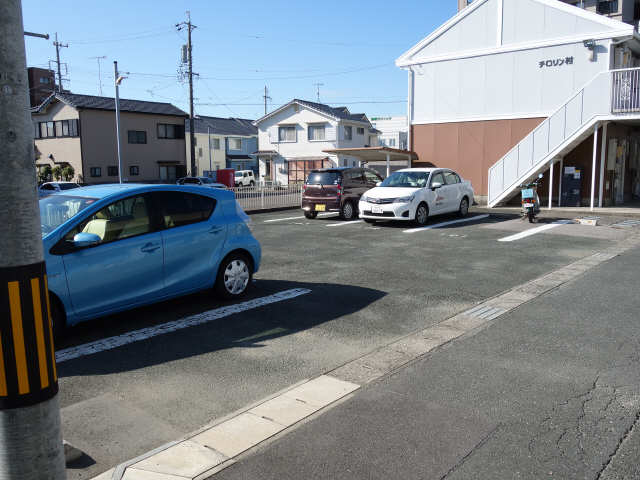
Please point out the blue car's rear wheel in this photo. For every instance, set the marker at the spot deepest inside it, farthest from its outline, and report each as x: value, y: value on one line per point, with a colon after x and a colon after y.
x: 234, y: 276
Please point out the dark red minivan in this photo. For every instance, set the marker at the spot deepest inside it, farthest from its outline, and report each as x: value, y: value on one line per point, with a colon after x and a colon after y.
x: 337, y: 190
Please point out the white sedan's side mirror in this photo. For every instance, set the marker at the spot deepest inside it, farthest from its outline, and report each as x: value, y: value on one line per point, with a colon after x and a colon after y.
x: 435, y: 185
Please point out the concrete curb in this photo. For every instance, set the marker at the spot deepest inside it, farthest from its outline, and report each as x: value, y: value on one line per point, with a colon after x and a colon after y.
x: 214, y: 447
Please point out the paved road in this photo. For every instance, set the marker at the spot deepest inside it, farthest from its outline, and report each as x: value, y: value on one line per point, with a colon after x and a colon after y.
x: 368, y: 286
x: 551, y: 390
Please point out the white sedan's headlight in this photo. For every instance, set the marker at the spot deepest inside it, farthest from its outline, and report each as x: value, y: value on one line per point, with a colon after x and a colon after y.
x: 404, y: 199
x: 364, y: 199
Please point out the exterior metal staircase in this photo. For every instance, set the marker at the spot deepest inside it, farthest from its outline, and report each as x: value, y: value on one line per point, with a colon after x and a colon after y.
x: 610, y: 95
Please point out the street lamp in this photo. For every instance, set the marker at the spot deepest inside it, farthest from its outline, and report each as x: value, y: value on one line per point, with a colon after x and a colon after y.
x: 118, y: 80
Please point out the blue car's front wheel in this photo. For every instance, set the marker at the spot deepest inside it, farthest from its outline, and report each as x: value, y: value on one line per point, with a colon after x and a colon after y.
x: 234, y: 276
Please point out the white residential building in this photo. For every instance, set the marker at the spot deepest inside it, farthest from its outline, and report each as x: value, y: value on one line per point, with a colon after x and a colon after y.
x: 292, y: 139
x: 393, y: 131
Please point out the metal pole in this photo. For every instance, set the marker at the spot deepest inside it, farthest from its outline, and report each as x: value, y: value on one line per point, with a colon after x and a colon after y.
x: 593, y: 168
x: 192, y: 143
x: 560, y: 182
x: 551, y: 184
x: 116, y: 77
x: 30, y: 438
x: 388, y: 165
x: 603, y: 159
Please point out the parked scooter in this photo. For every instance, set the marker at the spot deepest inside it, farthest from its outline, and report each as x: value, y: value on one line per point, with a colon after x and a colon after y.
x: 530, y: 200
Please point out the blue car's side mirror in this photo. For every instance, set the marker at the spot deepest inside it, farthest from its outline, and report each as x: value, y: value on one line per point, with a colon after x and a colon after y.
x: 84, y: 239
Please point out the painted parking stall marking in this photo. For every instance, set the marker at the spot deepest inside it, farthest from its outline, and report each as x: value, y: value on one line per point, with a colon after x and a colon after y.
x: 191, y: 321
x: 444, y: 224
x: 534, y: 231
x: 297, y: 218
x: 344, y: 223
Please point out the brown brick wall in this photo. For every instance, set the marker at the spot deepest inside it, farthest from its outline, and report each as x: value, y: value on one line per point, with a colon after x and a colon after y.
x: 469, y: 148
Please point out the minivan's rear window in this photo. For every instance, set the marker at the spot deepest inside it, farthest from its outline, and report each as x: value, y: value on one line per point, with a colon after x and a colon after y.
x: 324, y: 178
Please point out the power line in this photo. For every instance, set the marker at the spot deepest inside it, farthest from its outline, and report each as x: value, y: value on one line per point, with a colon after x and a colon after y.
x: 372, y: 102
x: 133, y: 36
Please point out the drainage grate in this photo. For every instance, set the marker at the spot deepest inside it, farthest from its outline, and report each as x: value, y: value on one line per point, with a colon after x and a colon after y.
x: 486, y: 312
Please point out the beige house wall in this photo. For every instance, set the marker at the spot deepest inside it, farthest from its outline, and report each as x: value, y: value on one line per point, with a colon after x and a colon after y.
x: 99, y: 145
x: 218, y: 156
x: 61, y: 150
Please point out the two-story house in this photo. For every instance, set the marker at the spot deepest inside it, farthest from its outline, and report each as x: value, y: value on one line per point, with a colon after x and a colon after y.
x: 293, y: 138
x: 508, y: 89
x: 223, y: 143
x: 80, y: 131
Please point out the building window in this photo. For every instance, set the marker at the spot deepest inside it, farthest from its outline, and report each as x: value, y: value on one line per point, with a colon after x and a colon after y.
x: 36, y: 128
x: 168, y: 173
x: 200, y: 151
x: 348, y: 133
x: 392, y: 142
x: 95, y: 171
x: 316, y: 133
x: 112, y: 171
x: 287, y: 133
x: 607, y: 6
x: 60, y: 128
x: 137, y: 136
x: 360, y: 131
x: 45, y: 80
x: 134, y: 170
x: 216, y: 144
x: 170, y: 131
x: 235, y: 144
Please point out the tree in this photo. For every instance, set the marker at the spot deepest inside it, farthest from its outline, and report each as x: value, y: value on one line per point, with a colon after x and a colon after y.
x: 57, y: 172
x: 67, y: 173
x: 45, y: 173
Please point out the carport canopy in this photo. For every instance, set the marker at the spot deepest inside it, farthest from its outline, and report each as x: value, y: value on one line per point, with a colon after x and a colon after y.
x: 377, y: 155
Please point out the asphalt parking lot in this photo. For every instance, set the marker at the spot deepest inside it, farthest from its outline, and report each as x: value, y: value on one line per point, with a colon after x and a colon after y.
x: 357, y: 287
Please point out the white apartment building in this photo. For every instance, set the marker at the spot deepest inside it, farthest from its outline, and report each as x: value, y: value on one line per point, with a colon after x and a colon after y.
x: 393, y: 131
x: 293, y: 138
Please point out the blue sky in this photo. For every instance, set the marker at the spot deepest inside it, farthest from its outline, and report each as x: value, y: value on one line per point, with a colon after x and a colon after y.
x: 239, y: 47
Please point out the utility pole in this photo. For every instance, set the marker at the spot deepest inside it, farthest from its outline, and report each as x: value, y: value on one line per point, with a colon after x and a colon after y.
x: 192, y: 146
x: 266, y: 97
x: 318, y: 85
x: 117, y: 80
x: 30, y: 437
x: 58, y: 46
x: 103, y: 57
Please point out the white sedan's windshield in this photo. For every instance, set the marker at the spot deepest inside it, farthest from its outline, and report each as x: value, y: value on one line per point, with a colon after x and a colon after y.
x: 406, y: 179
x: 57, y: 209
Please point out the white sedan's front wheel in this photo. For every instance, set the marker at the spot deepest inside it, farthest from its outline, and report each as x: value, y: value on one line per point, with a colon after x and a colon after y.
x: 464, y: 207
x: 422, y: 214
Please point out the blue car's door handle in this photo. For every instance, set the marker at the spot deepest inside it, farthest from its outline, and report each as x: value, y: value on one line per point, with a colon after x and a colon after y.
x: 150, y: 247
x: 216, y: 229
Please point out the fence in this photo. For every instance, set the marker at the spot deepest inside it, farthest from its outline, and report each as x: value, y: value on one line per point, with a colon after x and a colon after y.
x: 268, y: 196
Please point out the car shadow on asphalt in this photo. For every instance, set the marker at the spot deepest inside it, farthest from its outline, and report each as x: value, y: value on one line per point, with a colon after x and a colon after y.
x: 249, y: 329
x: 469, y: 220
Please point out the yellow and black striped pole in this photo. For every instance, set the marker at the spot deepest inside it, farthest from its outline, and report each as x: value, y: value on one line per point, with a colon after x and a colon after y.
x: 27, y: 357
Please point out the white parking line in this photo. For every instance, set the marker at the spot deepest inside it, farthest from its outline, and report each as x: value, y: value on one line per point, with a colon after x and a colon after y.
x: 344, y: 223
x: 444, y: 224
x: 297, y: 218
x: 533, y: 231
x: 191, y: 321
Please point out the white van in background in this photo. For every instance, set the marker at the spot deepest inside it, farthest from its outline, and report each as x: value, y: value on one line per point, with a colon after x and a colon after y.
x: 244, y: 178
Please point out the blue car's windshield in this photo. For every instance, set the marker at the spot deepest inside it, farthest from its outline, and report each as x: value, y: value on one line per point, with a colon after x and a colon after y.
x: 406, y: 179
x: 57, y: 209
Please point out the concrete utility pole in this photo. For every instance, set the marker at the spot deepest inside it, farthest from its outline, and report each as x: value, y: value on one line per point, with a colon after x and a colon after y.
x: 117, y: 80
x: 58, y: 46
x: 30, y: 440
x: 266, y: 97
x: 192, y: 146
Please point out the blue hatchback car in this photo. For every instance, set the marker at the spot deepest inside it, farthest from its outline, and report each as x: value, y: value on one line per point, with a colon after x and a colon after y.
x: 110, y: 248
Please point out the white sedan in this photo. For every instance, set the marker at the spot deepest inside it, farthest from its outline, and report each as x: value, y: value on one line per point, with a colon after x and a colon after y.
x: 414, y: 194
